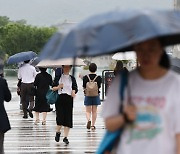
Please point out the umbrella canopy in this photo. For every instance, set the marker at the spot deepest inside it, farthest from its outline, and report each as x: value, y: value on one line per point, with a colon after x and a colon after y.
x: 60, y: 62
x: 118, y: 31
x: 131, y: 55
x: 22, y: 56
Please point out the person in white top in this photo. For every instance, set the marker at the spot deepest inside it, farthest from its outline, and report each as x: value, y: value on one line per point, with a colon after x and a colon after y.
x: 27, y: 74
x: 155, y: 113
x: 67, y: 89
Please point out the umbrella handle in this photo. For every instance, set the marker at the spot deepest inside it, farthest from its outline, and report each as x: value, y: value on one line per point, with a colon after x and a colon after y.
x: 74, y: 69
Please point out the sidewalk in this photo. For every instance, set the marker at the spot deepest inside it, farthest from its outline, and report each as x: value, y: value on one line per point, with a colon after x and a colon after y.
x: 25, y: 137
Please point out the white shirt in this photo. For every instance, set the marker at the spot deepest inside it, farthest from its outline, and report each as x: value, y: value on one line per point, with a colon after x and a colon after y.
x: 158, y: 114
x: 27, y: 73
x: 67, y: 85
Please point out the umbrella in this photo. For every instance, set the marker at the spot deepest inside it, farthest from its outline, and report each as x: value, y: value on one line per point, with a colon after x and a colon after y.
x: 60, y: 62
x: 124, y: 56
x: 22, y: 56
x: 35, y: 61
x: 175, y: 64
x: 118, y: 31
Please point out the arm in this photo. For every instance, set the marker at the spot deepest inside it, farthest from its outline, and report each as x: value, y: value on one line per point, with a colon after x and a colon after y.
x: 7, y: 93
x: 57, y: 87
x: 99, y: 81
x: 84, y: 81
x: 74, y: 85
x: 114, y: 123
x: 19, y: 74
x: 177, y: 143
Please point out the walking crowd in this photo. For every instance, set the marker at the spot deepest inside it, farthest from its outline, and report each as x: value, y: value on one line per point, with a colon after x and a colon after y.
x: 33, y: 86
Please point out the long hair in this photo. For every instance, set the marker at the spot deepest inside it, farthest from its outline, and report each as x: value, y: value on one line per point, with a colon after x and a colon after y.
x: 118, y: 67
x: 164, y: 61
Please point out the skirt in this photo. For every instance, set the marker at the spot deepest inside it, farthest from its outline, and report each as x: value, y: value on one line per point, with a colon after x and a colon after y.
x: 88, y: 101
x: 64, y: 111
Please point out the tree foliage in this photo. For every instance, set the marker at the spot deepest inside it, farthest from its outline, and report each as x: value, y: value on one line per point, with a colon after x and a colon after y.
x: 18, y: 36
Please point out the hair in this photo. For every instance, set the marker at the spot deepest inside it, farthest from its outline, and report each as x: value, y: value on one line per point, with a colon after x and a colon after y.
x: 92, y: 67
x: 42, y: 69
x: 26, y: 61
x: 67, y: 65
x: 164, y: 61
x: 118, y: 67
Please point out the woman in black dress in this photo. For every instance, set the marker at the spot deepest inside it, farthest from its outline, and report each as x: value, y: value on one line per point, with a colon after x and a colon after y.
x: 42, y: 82
x: 67, y: 89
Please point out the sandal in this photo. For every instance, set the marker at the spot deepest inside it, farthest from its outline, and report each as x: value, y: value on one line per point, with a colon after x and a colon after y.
x: 37, y: 121
x: 93, y: 127
x: 88, y: 124
x: 43, y: 122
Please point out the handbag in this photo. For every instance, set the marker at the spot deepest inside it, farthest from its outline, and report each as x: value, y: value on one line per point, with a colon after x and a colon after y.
x: 110, y: 138
x: 52, y: 96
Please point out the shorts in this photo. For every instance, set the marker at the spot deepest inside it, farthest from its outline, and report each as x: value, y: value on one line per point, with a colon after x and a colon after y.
x: 92, y: 100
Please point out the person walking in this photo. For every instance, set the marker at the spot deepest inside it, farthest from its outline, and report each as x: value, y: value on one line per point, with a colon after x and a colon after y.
x: 91, y: 102
x: 5, y: 95
x: 67, y: 89
x: 27, y: 74
x: 42, y: 83
x: 119, y: 67
x: 151, y: 97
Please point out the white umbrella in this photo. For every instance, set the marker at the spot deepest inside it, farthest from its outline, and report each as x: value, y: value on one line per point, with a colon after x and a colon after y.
x: 58, y: 63
x: 131, y: 55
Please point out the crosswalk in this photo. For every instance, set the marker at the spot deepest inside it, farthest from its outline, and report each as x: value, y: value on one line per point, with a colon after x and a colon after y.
x: 25, y: 137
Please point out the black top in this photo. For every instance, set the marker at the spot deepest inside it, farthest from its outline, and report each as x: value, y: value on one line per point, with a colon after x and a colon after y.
x: 5, y: 95
x: 92, y: 76
x: 42, y: 82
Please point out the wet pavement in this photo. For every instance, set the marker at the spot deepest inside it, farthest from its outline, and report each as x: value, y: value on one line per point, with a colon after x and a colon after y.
x: 25, y: 137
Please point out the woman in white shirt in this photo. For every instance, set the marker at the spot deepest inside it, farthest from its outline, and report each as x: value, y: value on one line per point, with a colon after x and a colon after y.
x: 67, y: 89
x: 155, y: 113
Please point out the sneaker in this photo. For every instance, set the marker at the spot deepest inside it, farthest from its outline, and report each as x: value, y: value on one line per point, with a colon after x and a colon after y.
x: 30, y: 113
x: 88, y: 124
x: 57, y: 137
x: 65, y: 140
x: 25, y: 116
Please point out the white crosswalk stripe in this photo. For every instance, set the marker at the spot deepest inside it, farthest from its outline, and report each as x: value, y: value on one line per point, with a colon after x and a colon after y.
x: 25, y: 137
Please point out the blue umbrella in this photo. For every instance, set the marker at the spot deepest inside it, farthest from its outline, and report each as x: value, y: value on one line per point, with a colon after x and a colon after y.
x: 22, y: 56
x: 116, y: 31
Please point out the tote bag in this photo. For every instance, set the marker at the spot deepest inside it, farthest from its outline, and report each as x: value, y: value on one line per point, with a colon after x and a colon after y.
x: 52, y: 96
x: 110, y: 138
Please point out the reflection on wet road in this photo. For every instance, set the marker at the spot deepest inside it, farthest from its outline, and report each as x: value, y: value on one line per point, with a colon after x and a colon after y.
x: 25, y: 137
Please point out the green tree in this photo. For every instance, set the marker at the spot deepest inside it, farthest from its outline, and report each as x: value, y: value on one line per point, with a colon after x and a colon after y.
x: 4, y: 20
x: 18, y: 37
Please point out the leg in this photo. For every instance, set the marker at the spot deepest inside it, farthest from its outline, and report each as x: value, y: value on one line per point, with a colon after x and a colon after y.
x: 44, y: 118
x: 88, y: 116
x: 1, y: 143
x: 37, y: 118
x: 94, y: 114
x: 58, y: 128
x: 66, y: 133
x: 31, y: 105
x: 88, y: 112
x: 23, y: 99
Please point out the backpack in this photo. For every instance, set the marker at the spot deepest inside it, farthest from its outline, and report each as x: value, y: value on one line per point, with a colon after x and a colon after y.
x: 91, y: 87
